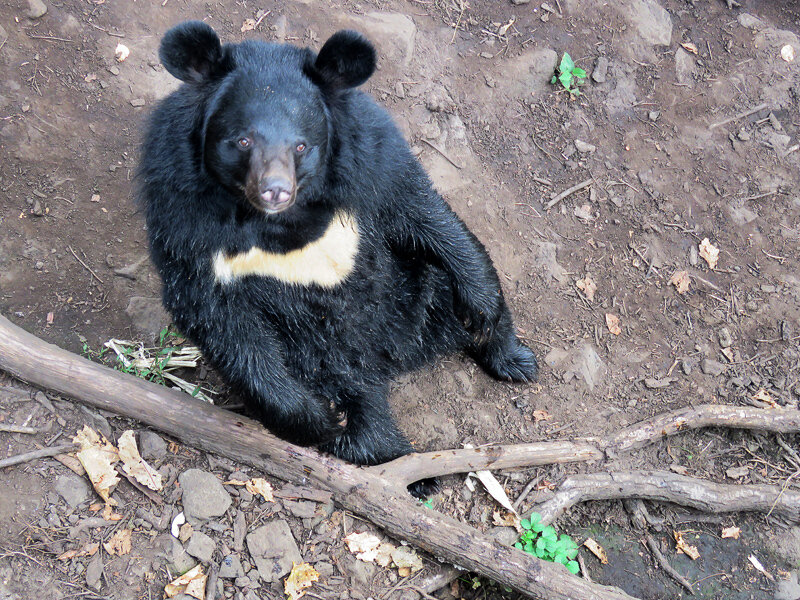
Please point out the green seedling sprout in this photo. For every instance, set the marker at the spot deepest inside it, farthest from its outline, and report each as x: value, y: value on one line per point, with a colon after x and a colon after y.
x: 543, y: 542
x: 569, y: 75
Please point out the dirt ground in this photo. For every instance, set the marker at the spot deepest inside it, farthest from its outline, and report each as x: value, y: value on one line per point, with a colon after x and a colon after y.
x: 687, y: 128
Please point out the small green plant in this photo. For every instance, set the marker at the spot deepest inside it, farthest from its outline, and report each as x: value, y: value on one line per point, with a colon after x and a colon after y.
x: 544, y: 543
x: 152, y: 364
x: 569, y: 75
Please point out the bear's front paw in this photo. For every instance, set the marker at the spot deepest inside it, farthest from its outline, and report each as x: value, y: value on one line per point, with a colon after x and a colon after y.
x: 512, y: 361
x: 424, y: 488
x: 480, y: 315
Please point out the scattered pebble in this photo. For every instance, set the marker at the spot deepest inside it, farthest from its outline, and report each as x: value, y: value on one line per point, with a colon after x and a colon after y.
x: 653, y: 115
x: 656, y: 384
x: 230, y: 567
x: 72, y: 488
x: 151, y: 446
x: 600, y: 73
x: 725, y: 338
x: 273, y: 549
x: 712, y: 367
x: 36, y: 9
x: 585, y: 147
x: 203, y: 495
x: 201, y: 546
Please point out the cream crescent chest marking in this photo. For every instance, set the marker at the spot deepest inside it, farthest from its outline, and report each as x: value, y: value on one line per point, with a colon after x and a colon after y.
x: 326, y: 261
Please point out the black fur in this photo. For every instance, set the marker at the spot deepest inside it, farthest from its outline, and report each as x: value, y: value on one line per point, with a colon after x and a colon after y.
x: 423, y: 286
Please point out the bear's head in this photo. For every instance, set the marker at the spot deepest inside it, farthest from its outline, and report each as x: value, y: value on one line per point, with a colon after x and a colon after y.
x: 265, y: 128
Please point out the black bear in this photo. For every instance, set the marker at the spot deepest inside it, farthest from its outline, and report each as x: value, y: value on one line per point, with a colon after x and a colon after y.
x: 301, y: 245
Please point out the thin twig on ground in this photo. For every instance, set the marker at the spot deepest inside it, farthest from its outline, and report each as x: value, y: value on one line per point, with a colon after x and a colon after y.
x: 17, y: 429
x: 443, y: 153
x: 664, y: 563
x: 575, y: 188
x: 33, y: 455
x: 740, y: 115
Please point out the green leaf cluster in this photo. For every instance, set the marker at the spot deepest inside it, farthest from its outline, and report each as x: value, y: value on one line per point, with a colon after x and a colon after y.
x: 543, y: 542
x: 569, y: 75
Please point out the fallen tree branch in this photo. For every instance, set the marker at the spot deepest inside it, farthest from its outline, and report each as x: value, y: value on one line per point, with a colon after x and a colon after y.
x: 414, y: 467
x: 779, y: 420
x: 670, y: 487
x: 359, y: 490
x: 444, y: 462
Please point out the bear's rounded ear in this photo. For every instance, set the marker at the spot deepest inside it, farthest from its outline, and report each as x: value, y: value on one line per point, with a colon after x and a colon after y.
x: 192, y: 52
x: 346, y: 60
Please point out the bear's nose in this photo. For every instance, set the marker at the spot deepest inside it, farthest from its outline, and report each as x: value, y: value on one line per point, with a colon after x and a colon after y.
x: 276, y: 190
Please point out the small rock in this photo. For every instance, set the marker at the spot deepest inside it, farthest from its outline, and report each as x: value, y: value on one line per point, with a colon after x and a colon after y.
x: 656, y: 384
x: 203, y: 496
x: 36, y: 9
x: 687, y: 366
x: 712, y: 367
x: 273, y: 549
x: 776, y: 124
x: 399, y: 90
x: 600, y: 73
x: 585, y: 147
x: 786, y: 330
x: 114, y: 70
x: 301, y: 509
x: 725, y: 338
x: 518, y: 2
x: 138, y: 102
x: 325, y: 569
x: 201, y: 546
x: 362, y: 574
x: 147, y: 315
x: 151, y: 446
x: 37, y: 210
x: 737, y: 472
x: 653, y: 115
x: 39, y: 265
x: 694, y: 256
x: 788, y: 589
x: 743, y: 135
x: 505, y: 535
x: 94, y: 571
x: 72, y: 489
x: 231, y: 567
x: 749, y: 21
x: 239, y: 530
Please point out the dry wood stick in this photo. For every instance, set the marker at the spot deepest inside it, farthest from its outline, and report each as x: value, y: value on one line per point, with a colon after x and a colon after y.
x: 662, y: 560
x: 567, y: 192
x: 780, y: 420
x: 669, y: 487
x: 443, y: 462
x: 17, y: 429
x: 359, y: 490
x: 740, y: 115
x: 34, y: 454
x: 413, y: 467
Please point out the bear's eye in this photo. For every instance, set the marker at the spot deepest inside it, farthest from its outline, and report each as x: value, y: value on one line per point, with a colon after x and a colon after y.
x: 244, y: 142
x: 300, y: 147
